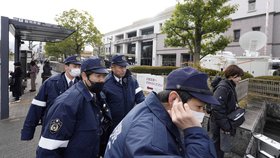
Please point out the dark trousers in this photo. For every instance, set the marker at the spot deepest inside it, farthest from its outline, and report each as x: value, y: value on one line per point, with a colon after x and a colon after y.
x: 104, y: 138
x: 215, y: 136
x: 17, y: 98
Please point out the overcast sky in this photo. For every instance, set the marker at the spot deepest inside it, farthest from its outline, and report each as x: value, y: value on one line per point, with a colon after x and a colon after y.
x: 108, y: 15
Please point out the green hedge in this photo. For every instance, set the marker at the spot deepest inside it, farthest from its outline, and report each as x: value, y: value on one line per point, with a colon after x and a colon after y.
x: 165, y: 70
x: 211, y: 72
x: 276, y: 78
x: 154, y: 70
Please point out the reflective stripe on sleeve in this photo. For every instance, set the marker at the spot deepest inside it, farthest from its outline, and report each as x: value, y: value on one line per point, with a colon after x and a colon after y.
x: 38, y: 103
x: 138, y: 90
x: 52, y: 144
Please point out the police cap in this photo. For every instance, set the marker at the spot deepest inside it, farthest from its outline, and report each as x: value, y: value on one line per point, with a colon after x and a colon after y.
x: 192, y: 81
x: 74, y: 59
x: 119, y: 60
x: 95, y: 65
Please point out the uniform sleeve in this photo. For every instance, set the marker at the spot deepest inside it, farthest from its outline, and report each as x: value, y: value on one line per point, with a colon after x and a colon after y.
x: 198, y: 144
x: 140, y: 141
x: 139, y: 95
x: 35, y: 113
x: 220, y: 111
x: 60, y: 123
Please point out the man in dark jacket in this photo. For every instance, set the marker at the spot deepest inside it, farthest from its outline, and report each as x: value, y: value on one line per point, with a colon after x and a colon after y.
x: 167, y: 124
x: 46, y: 71
x: 48, y: 92
x: 122, y: 93
x: 16, y: 83
x: 73, y: 123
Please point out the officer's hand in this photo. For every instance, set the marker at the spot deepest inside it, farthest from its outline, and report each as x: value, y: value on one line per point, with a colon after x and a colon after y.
x: 182, y: 116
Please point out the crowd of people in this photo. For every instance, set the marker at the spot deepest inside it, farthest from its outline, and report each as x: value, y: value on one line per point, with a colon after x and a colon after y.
x: 17, y: 79
x: 89, y: 112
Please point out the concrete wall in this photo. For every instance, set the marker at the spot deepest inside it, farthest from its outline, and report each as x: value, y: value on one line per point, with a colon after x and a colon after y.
x: 276, y: 35
x: 246, y: 25
x: 259, y: 9
x: 56, y: 66
x: 273, y: 110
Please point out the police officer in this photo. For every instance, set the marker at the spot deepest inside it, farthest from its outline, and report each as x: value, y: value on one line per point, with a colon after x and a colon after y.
x: 167, y: 124
x: 73, y: 123
x: 122, y: 93
x: 48, y: 92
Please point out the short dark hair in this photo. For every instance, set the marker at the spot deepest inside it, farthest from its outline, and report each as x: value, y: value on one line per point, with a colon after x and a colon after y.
x: 32, y: 63
x: 163, y: 96
x: 233, y: 70
x: 88, y: 73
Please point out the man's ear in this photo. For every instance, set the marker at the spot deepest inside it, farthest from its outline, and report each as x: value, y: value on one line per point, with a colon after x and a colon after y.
x: 172, y: 96
x: 66, y: 67
x: 84, y: 76
x: 112, y: 66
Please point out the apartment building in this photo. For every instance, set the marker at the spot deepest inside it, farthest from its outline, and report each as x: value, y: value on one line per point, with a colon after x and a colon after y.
x: 143, y: 43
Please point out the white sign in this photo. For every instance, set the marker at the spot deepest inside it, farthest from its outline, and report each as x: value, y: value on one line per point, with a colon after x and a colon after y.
x: 150, y: 82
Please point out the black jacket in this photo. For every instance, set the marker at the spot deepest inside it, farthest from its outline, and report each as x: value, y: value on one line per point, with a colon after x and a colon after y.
x: 225, y: 93
x: 47, y: 70
x: 16, y: 88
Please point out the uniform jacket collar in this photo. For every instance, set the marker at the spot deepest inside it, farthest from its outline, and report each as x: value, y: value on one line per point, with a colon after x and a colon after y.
x: 62, y: 82
x: 112, y: 76
x: 83, y: 89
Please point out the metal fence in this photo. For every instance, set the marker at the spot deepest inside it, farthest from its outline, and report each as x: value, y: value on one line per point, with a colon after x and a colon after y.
x: 242, y: 89
x: 267, y: 88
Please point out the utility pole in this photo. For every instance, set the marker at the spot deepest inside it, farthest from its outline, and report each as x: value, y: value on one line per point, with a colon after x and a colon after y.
x: 110, y: 48
x: 266, y: 28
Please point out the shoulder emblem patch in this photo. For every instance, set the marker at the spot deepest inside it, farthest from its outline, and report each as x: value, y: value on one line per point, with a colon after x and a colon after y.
x: 55, y: 125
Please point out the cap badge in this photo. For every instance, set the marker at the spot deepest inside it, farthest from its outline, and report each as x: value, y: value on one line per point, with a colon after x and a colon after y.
x: 123, y: 58
x: 78, y: 58
x: 102, y: 63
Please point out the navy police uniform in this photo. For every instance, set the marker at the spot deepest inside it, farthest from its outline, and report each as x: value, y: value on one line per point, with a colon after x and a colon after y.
x: 49, y: 91
x: 73, y: 123
x: 121, y: 97
x: 148, y: 131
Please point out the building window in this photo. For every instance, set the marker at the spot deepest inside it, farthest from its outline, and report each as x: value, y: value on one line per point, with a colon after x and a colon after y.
x: 118, y: 49
x: 236, y: 34
x: 131, y: 48
x: 160, y: 26
x: 169, y: 60
x: 147, y: 31
x: 146, y: 53
x: 258, y: 28
x: 186, y: 59
x: 251, y: 5
x: 131, y: 34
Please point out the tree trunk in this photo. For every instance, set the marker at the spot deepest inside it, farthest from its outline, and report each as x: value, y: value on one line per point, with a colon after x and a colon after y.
x: 197, y: 49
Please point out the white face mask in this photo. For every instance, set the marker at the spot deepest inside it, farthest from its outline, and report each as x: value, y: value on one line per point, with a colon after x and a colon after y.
x: 198, y: 115
x: 75, y: 72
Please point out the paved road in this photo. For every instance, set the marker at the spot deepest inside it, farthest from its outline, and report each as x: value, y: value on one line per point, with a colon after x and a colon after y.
x: 10, y: 144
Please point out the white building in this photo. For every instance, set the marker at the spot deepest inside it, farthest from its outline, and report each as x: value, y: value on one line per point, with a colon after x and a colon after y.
x: 143, y: 43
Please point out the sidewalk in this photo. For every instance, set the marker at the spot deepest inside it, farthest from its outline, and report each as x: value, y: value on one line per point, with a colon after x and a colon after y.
x: 10, y: 144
